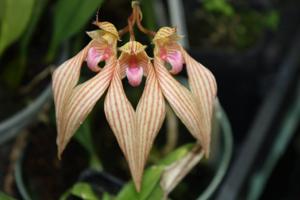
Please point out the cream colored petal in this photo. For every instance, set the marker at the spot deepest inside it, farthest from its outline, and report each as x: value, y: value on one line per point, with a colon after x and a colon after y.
x: 183, y: 102
x: 81, y: 102
x: 150, y: 116
x: 64, y: 79
x: 135, y: 131
x: 122, y: 120
x: 203, y: 85
x: 175, y: 172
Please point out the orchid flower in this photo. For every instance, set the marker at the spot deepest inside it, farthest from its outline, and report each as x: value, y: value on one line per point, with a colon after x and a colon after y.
x: 134, y: 129
x: 73, y: 101
x: 194, y: 107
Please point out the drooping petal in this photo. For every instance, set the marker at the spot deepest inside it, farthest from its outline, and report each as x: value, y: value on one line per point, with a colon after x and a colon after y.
x: 183, y: 102
x: 65, y: 78
x: 135, y: 131
x: 150, y: 115
x: 203, y: 85
x: 122, y: 120
x: 81, y: 102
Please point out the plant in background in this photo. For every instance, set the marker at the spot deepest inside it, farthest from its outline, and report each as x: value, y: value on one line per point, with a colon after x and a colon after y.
x: 135, y: 129
x: 228, y: 26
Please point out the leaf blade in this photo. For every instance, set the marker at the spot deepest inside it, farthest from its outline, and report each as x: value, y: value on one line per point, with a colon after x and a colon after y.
x: 14, y: 20
x: 64, y: 17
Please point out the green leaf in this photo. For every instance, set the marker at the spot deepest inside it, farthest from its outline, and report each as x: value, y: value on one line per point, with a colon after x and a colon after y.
x: 18, y: 68
x: 83, y: 191
x: 150, y: 183
x: 106, y: 196
x: 272, y: 20
x: 5, y: 196
x: 177, y: 154
x: 69, y: 18
x: 151, y: 189
x: 219, y: 6
x: 84, y: 137
x: 14, y: 19
x: 149, y: 14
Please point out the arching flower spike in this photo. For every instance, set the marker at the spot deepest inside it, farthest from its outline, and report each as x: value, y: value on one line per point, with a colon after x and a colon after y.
x: 193, y: 107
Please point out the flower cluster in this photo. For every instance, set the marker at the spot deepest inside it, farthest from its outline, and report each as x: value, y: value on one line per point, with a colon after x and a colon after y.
x: 135, y: 129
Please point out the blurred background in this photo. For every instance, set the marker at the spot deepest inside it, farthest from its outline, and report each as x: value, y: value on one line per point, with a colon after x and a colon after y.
x: 251, y: 46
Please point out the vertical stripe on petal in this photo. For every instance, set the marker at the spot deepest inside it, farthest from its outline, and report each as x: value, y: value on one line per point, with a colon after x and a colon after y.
x: 203, y: 86
x: 121, y: 118
x: 64, y: 79
x: 183, y: 102
x: 150, y: 114
x: 81, y: 102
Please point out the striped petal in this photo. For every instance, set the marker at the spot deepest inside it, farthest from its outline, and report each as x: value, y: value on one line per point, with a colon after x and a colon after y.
x: 81, y: 102
x: 183, y: 102
x: 122, y: 120
x: 150, y: 114
x: 203, y: 85
x: 135, y: 131
x: 64, y: 80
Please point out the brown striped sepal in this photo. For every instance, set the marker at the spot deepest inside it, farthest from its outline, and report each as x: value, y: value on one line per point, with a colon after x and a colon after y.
x: 183, y: 102
x: 74, y: 102
x: 204, y: 87
x: 135, y: 130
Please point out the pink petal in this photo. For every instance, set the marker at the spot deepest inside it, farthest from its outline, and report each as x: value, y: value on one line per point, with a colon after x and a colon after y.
x: 134, y: 75
x: 93, y: 58
x: 174, y: 57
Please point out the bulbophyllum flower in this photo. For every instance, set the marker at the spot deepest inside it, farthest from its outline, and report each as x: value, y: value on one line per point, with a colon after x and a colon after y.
x: 135, y: 128
x: 73, y: 101
x: 194, y: 107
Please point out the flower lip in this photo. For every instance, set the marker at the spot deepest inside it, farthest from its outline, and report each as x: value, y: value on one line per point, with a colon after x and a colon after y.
x: 174, y: 58
x: 134, y: 59
x: 134, y: 72
x: 95, y: 56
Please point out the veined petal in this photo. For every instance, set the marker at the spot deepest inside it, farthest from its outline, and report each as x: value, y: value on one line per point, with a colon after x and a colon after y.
x: 122, y: 120
x: 203, y: 86
x: 65, y: 77
x: 183, y: 102
x: 135, y: 131
x: 150, y: 114
x: 81, y: 102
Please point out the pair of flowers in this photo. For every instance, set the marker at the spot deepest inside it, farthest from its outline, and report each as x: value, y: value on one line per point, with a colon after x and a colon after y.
x: 135, y: 129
